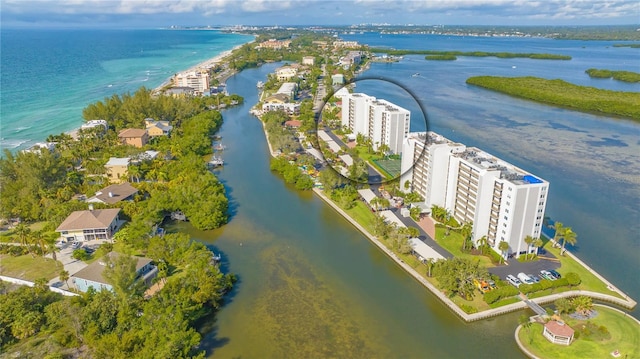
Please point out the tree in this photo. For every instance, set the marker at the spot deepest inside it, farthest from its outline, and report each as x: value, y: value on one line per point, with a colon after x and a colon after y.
x: 557, y: 237
x: 529, y: 241
x: 563, y: 305
x: 503, y: 247
x: 64, y: 276
x: 583, y: 304
x: 413, y: 232
x: 430, y: 263
x: 482, y: 244
x: 569, y: 236
x: 456, y: 276
x: 538, y: 244
x: 466, y: 231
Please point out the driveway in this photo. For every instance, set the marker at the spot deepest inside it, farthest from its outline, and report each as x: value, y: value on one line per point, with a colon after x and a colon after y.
x: 71, y: 265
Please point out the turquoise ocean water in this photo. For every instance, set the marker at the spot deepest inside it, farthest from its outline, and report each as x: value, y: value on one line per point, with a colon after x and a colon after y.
x: 49, y: 76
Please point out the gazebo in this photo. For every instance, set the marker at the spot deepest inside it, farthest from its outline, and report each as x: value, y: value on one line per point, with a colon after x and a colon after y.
x: 557, y: 332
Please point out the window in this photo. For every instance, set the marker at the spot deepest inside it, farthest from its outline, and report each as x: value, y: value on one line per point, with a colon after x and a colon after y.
x: 506, y: 210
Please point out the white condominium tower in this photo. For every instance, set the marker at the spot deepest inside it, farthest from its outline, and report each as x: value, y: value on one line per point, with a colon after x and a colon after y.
x: 379, y: 120
x: 504, y: 202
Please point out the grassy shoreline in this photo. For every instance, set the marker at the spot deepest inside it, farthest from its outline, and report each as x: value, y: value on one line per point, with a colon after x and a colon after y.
x: 564, y: 94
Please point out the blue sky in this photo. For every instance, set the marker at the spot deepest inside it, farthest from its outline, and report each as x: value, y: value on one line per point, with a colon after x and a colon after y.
x: 162, y: 13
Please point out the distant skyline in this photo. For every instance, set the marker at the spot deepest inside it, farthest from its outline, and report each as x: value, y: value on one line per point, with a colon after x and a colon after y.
x: 164, y: 13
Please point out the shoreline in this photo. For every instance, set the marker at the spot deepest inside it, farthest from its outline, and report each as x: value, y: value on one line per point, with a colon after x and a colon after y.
x: 627, y: 302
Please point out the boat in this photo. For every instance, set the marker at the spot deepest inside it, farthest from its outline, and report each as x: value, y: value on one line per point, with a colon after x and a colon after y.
x: 260, y: 84
x: 416, y: 74
x: 216, y: 162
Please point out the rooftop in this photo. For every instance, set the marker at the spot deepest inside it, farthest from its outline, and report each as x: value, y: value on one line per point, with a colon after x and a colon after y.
x: 93, y: 271
x: 114, y: 193
x: 132, y: 132
x: 485, y: 161
x: 559, y: 328
x: 98, y: 218
x: 118, y: 161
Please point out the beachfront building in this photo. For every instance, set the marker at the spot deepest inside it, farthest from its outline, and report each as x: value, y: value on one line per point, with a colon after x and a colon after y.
x: 135, y: 137
x: 198, y: 80
x: 90, y: 225
x: 379, y: 120
x: 91, y: 275
x: 288, y: 88
x: 93, y: 124
x: 351, y: 58
x: 117, y: 169
x: 504, y: 202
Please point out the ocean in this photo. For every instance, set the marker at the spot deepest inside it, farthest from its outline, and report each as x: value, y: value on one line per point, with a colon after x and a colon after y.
x: 49, y: 76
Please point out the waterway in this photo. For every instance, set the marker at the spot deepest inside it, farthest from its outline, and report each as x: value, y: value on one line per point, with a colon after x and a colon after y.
x: 312, y: 286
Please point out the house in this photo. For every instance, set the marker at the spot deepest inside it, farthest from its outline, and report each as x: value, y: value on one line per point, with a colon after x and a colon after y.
x: 558, y: 332
x: 180, y: 91
x: 308, y: 60
x: 286, y: 73
x: 90, y: 224
x: 158, y: 128
x: 274, y: 44
x: 114, y: 194
x: 337, y: 79
x: 39, y: 146
x: 280, y: 102
x: 288, y: 88
x: 293, y: 123
x: 91, y: 275
x: 117, y: 168
x: 93, y: 124
x: 134, y: 137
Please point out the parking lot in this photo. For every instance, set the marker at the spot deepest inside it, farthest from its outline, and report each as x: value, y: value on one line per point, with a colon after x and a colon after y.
x: 546, y: 261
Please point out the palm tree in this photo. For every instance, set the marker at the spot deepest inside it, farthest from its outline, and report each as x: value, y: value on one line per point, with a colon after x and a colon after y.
x: 64, y: 276
x: 559, y: 227
x: 570, y: 237
x: 413, y: 232
x: 583, y: 304
x: 538, y: 244
x: 503, y: 247
x: 482, y: 243
x: 466, y: 231
x: 23, y: 232
x: 529, y: 241
x: 430, y: 263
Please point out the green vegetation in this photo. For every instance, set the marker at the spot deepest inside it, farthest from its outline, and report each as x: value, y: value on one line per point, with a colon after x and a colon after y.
x: 122, y: 322
x: 502, y: 55
x: 291, y: 172
x: 562, y: 93
x: 626, y: 76
x: 28, y: 267
x: 633, y: 46
x: 595, y: 338
x: 441, y: 57
x: 456, y: 276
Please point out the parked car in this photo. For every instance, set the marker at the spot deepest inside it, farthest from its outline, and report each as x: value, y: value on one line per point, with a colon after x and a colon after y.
x: 534, y: 278
x: 60, y: 244
x: 525, y: 278
x: 555, y: 274
x: 547, y: 275
x: 513, y: 280
x: 76, y: 245
x: 89, y: 250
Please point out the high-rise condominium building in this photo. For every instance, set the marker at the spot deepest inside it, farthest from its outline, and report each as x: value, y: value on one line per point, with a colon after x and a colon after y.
x: 379, y: 120
x: 504, y: 202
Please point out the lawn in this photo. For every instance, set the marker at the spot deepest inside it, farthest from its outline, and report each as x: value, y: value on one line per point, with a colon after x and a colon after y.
x: 589, y: 281
x: 29, y: 268
x: 362, y: 214
x: 625, y: 337
x: 453, y: 244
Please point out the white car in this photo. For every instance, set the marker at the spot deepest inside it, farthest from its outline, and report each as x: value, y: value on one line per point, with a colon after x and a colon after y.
x: 76, y: 245
x: 525, y: 278
x: 513, y: 280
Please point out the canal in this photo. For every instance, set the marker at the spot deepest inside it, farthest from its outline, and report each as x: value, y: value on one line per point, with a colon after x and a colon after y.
x: 310, y: 285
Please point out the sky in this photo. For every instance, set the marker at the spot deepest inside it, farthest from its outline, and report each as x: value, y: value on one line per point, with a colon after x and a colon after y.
x: 164, y: 13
